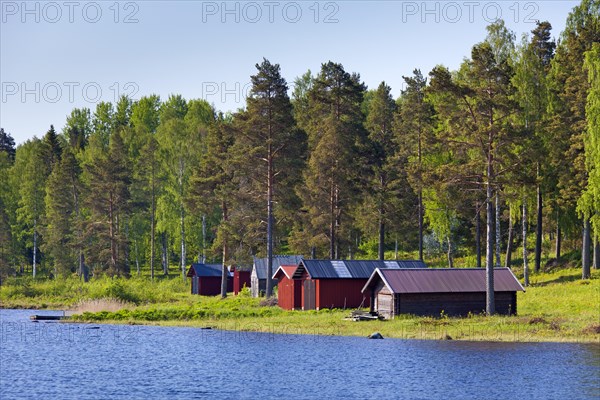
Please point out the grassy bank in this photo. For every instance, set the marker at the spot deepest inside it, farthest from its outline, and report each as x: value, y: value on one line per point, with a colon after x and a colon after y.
x: 25, y: 292
x: 558, y: 306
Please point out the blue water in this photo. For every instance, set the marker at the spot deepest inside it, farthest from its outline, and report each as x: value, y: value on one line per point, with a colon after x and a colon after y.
x: 74, y: 361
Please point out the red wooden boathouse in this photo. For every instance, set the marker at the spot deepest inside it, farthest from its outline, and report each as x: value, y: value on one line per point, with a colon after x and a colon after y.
x: 206, y: 279
x: 339, y: 283
x: 289, y: 292
x: 241, y: 279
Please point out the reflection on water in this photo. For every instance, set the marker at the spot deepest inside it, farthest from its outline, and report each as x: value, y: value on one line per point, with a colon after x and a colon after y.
x: 73, y: 361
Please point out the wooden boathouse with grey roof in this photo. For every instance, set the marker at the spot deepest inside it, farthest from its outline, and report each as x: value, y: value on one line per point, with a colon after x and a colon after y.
x: 258, y: 277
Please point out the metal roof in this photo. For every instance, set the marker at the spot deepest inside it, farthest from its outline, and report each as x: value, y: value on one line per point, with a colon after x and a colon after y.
x: 260, y: 264
x: 354, y: 269
x: 288, y: 270
x: 443, y: 280
x: 206, y: 270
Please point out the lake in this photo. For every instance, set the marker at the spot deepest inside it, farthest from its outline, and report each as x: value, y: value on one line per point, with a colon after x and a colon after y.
x: 48, y: 360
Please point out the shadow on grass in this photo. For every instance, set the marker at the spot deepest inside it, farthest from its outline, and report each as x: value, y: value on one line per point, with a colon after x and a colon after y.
x: 561, y: 279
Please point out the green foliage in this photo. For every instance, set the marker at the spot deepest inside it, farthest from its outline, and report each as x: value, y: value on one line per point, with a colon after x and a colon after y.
x: 589, y: 202
x: 342, y: 166
x: 336, y: 141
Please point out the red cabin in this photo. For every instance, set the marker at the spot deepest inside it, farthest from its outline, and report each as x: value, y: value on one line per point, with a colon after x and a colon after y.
x: 289, y: 292
x: 339, y: 283
x: 241, y: 279
x: 206, y: 279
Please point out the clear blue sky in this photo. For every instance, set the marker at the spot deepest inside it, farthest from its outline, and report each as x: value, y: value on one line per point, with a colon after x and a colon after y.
x: 59, y: 55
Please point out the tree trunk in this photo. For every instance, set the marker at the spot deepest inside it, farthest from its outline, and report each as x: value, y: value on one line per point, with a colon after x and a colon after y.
x: 450, y: 259
x: 419, y: 157
x: 126, y: 249
x: 498, y: 232
x: 152, y: 228
x: 337, y: 222
x: 84, y: 270
x: 489, y: 251
x: 538, y: 231
x: 381, y: 238
x: 182, y: 215
x: 332, y: 223
x: 224, y: 270
x: 396, y: 249
x: 381, y: 249
x: 269, y: 286
x: 137, y: 258
x: 113, y: 242
x: 596, y: 253
x: 183, y: 255
x: 165, y: 254
x: 478, y: 235
x: 34, y: 267
x: 420, y: 225
x: 203, y: 239
x: 585, y: 250
x: 558, y: 238
x: 525, y: 266
x: 509, y: 243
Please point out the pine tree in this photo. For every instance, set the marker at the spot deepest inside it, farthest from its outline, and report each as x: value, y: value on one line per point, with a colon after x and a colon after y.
x: 589, y: 202
x: 148, y: 174
x: 414, y: 126
x: 336, y: 143
x: 31, y: 186
x: 107, y: 200
x: 62, y: 208
x: 7, y: 144
x: 53, y: 148
x: 568, y: 125
x: 176, y: 149
x: 6, y: 238
x: 212, y: 186
x: 475, y: 127
x: 381, y: 191
x: 531, y: 66
x: 78, y: 128
x: 269, y: 146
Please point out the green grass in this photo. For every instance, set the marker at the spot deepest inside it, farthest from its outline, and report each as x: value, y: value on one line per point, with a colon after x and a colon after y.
x: 25, y: 292
x: 558, y: 306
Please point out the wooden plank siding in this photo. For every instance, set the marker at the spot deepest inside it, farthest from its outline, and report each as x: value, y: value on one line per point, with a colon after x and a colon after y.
x: 333, y: 293
x: 451, y: 304
x: 241, y: 279
x: 289, y: 293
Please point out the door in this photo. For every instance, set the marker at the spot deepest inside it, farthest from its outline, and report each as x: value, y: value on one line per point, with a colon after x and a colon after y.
x: 384, y: 304
x: 310, y: 294
x: 194, y: 285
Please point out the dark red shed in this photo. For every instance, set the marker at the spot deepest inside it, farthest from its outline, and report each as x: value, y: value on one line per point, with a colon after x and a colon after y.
x: 339, y: 283
x: 206, y: 279
x: 289, y: 292
x: 448, y: 291
x: 241, y: 279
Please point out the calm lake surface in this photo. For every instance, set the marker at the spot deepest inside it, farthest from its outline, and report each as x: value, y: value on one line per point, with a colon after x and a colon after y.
x: 81, y: 361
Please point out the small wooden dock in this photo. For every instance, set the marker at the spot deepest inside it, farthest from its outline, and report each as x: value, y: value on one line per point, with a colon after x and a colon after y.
x: 48, y: 317
x: 362, y: 316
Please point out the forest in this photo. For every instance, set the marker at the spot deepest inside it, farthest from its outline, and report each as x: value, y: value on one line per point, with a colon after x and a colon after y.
x: 499, y: 157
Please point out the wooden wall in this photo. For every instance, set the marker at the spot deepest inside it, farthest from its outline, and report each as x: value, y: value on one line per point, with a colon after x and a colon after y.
x: 452, y: 304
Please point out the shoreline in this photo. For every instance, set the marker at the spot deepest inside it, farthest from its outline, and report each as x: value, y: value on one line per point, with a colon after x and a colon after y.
x: 502, y: 329
x: 557, y: 307
x: 483, y: 336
